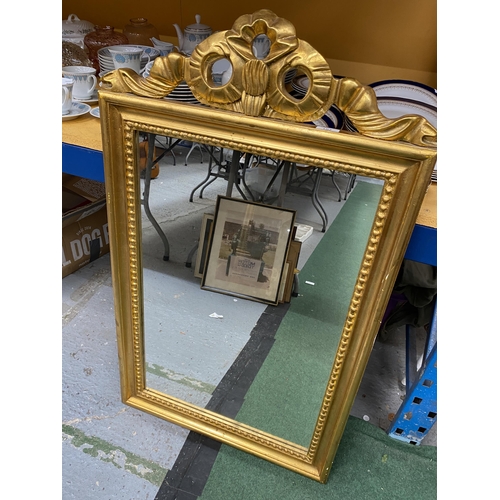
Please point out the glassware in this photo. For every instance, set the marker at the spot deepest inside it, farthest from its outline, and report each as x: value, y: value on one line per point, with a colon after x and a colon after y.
x: 103, y: 36
x: 139, y: 31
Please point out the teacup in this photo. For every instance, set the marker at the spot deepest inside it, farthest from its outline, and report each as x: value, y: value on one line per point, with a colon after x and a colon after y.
x: 128, y: 57
x: 67, y: 95
x: 164, y: 47
x: 84, y: 80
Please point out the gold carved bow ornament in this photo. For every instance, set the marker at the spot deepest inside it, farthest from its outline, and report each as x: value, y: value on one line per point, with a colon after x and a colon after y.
x: 257, y: 86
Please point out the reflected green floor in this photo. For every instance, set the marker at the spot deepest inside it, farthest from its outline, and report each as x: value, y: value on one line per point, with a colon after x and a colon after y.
x: 285, y: 397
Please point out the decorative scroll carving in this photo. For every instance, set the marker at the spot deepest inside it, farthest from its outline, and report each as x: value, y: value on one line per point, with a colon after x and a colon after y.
x: 257, y: 86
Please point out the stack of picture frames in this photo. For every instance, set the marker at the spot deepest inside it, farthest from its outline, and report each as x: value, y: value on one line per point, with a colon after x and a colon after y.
x: 249, y: 250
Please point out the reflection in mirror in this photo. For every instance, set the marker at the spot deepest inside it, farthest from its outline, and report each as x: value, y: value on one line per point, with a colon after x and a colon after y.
x: 221, y: 71
x: 194, y: 350
x: 261, y: 46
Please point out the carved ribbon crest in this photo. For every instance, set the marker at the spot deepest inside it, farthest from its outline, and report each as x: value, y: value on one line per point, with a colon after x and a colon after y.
x: 257, y: 86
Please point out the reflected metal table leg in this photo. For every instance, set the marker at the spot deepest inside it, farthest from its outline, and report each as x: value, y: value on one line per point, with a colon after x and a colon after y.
x: 284, y: 182
x: 350, y: 185
x: 194, y: 145
x: 336, y: 185
x: 235, y: 165
x: 189, y: 259
x: 145, y: 198
x: 244, y: 168
x: 315, y: 199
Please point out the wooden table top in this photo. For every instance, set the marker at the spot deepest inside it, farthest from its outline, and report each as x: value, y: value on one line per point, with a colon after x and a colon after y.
x: 84, y: 131
x: 428, y: 211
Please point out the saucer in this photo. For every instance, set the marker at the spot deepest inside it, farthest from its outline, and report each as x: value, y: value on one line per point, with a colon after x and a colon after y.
x: 95, y: 112
x: 77, y: 109
x: 93, y: 98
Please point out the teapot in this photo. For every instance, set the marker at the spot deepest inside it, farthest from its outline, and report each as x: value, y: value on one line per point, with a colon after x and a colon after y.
x: 192, y: 36
x: 74, y: 30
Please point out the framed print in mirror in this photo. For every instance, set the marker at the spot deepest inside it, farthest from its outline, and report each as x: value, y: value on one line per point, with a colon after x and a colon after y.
x: 248, y: 250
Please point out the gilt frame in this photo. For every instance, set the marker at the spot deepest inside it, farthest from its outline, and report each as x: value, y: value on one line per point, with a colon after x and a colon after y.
x: 405, y: 170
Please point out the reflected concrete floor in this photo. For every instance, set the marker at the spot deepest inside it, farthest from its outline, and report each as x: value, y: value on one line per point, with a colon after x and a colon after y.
x: 112, y: 451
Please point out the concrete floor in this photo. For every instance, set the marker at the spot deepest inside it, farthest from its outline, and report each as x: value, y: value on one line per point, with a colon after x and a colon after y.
x: 112, y: 451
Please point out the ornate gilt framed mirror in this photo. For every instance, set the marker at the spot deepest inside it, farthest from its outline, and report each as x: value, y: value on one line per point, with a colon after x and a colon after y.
x: 254, y: 113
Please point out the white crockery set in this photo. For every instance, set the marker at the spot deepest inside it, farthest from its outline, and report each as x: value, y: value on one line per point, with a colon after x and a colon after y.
x: 71, y: 109
x: 78, y: 88
x: 121, y: 56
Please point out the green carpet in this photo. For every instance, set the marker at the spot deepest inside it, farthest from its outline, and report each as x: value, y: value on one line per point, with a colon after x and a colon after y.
x: 368, y: 464
x: 298, y: 366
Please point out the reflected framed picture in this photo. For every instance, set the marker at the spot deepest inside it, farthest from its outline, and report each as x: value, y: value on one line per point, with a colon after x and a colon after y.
x: 248, y: 249
x: 203, y: 244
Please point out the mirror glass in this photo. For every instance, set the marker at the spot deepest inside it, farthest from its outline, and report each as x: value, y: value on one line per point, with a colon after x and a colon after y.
x: 221, y: 71
x: 197, y: 341
x: 261, y: 46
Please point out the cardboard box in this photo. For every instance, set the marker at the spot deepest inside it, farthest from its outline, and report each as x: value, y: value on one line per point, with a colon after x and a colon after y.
x: 85, y: 234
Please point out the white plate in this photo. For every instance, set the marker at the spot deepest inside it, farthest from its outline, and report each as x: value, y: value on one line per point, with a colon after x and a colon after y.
x: 77, y: 109
x: 302, y: 82
x: 95, y: 112
x: 182, y: 93
x: 331, y: 119
x: 406, y: 89
x: 93, y: 98
x: 290, y: 75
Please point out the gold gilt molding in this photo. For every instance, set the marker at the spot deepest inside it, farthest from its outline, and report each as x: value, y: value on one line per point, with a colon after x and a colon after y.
x: 386, y: 197
x: 284, y: 447
x: 133, y: 238
x: 359, y: 290
x: 254, y: 149
x: 257, y: 86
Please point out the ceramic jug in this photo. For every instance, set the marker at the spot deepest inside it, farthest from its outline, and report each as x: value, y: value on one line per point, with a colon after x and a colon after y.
x: 192, y: 36
x: 103, y: 36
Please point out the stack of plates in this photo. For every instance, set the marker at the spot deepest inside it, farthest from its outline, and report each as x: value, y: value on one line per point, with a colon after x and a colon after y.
x: 290, y: 75
x: 348, y: 125
x: 396, y: 98
x: 300, y: 84
x: 106, y: 61
x: 333, y: 118
x: 182, y: 93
